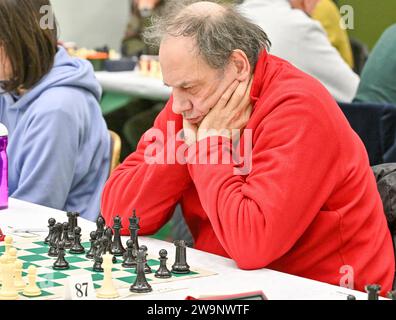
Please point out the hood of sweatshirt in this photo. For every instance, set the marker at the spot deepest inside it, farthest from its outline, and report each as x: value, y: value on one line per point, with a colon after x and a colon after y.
x: 66, y: 71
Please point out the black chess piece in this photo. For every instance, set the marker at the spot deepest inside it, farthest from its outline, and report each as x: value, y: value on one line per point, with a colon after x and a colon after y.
x: 61, y: 263
x: 77, y: 248
x: 98, y: 252
x: 100, y: 226
x: 180, y: 266
x: 141, y: 285
x: 147, y: 268
x: 54, y: 239
x: 129, y: 259
x: 93, y: 237
x: 373, y: 291
x: 72, y: 216
x: 65, y: 238
x: 163, y: 271
x: 108, y: 234
x: 51, y: 224
x: 117, y: 248
x: 351, y: 297
x: 134, y: 229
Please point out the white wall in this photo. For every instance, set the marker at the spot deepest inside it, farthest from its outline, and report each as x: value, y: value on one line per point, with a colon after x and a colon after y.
x: 92, y: 23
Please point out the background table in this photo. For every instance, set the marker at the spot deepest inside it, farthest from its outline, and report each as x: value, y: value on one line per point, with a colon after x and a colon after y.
x: 122, y: 87
x: 228, y: 280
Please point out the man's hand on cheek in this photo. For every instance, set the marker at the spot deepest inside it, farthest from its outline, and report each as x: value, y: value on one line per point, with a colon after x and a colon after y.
x: 232, y: 112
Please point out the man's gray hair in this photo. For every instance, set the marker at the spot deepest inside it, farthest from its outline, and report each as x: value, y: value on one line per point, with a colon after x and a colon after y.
x: 216, y: 35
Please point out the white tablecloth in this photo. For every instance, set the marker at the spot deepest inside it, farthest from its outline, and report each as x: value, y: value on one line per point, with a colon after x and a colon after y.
x: 229, y: 278
x: 132, y: 83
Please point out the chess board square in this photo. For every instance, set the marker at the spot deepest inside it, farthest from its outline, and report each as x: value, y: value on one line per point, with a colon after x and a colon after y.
x: 48, y: 284
x: 152, y: 263
x: 40, y: 243
x: 74, y: 259
x: 86, y: 245
x: 2, y: 249
x: 28, y: 264
x: 129, y: 279
x: 26, y: 245
x: 41, y: 250
x: 32, y: 258
x: 53, y: 276
x: 96, y: 286
x: 97, y: 277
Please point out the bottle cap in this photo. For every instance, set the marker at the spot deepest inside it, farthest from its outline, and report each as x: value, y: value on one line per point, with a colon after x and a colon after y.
x: 3, y: 130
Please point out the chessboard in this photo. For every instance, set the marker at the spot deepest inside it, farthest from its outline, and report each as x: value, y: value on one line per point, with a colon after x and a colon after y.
x: 53, y: 283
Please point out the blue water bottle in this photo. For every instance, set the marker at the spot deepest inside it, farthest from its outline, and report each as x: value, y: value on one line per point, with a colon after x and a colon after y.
x: 3, y: 167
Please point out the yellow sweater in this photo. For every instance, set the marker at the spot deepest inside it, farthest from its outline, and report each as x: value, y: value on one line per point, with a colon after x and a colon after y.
x: 327, y: 13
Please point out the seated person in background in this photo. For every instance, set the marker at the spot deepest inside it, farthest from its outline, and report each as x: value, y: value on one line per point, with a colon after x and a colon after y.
x: 303, y: 42
x: 59, y: 146
x: 378, y: 82
x: 328, y: 14
x: 304, y: 201
x: 140, y: 18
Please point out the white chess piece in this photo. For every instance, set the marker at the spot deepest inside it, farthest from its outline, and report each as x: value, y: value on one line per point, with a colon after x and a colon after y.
x: 32, y: 290
x: 8, y: 290
x: 12, y: 255
x: 108, y: 290
x: 8, y: 240
x: 19, y: 282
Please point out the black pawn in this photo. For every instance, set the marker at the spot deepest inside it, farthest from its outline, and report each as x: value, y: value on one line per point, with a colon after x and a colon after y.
x: 51, y: 224
x: 373, y: 291
x: 117, y: 248
x: 77, y: 248
x: 98, y: 260
x: 68, y: 242
x: 141, y: 285
x: 129, y: 259
x: 180, y: 266
x: 61, y: 263
x: 163, y: 271
x: 91, y: 251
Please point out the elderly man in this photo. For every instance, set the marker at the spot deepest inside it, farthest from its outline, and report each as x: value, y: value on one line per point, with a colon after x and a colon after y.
x: 306, y: 202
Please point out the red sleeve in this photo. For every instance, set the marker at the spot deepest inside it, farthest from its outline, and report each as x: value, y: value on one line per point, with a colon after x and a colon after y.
x: 259, y: 216
x: 152, y: 189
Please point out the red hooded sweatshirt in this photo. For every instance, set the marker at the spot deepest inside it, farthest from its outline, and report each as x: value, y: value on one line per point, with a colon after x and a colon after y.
x: 309, y: 206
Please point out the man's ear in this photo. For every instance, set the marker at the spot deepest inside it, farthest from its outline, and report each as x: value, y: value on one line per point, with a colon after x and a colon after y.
x: 240, y: 65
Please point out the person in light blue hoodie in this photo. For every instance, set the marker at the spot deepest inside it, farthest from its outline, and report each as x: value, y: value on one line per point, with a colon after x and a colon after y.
x: 59, y: 145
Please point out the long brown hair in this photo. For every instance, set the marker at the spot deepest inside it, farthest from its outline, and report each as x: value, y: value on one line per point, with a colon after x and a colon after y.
x: 30, y: 48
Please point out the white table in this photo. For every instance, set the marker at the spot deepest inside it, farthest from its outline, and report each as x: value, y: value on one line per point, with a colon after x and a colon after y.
x: 229, y: 279
x: 134, y: 84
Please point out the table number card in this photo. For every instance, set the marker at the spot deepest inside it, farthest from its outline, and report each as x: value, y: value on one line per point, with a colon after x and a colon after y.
x: 80, y: 288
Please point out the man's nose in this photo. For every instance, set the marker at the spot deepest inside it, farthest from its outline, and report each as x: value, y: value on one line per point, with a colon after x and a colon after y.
x: 180, y: 103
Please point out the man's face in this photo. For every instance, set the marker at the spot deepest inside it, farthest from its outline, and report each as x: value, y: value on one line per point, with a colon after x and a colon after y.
x: 196, y: 86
